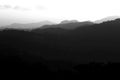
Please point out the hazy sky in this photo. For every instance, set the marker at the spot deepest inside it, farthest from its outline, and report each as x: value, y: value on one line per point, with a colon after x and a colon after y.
x: 25, y: 11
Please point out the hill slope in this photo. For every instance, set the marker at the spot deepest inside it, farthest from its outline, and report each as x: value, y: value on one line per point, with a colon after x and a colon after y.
x: 61, y: 49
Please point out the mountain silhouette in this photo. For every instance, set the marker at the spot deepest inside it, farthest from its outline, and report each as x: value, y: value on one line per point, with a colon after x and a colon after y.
x: 28, y: 25
x: 59, y: 50
x: 93, y: 38
x: 73, y: 24
x: 110, y: 18
x: 68, y: 21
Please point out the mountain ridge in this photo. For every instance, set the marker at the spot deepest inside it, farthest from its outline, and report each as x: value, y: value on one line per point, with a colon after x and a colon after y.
x: 57, y: 49
x: 28, y: 25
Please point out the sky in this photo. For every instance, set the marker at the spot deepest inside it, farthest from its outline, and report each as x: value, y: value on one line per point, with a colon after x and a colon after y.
x: 29, y: 11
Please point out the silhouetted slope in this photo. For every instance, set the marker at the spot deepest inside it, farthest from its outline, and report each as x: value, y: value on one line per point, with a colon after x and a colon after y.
x: 28, y: 26
x: 106, y: 19
x: 100, y: 41
x: 60, y: 50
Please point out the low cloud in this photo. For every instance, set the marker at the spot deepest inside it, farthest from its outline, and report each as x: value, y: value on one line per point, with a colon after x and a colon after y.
x: 40, y: 7
x: 5, y: 6
x: 20, y: 8
x: 14, y: 7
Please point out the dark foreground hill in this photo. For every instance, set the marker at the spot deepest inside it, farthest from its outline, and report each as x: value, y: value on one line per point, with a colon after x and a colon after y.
x: 100, y: 41
x: 61, y: 52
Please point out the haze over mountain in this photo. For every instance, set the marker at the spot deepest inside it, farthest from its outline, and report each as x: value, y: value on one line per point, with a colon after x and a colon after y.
x: 109, y: 18
x: 76, y: 36
x: 96, y: 39
x: 60, y: 50
x: 66, y: 24
x: 68, y: 21
x: 28, y: 25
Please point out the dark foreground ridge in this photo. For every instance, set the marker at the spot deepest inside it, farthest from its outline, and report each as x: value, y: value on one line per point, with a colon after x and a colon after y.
x: 61, y: 53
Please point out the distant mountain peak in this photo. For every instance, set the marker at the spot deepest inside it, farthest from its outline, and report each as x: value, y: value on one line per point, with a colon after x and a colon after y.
x: 42, y: 22
x: 29, y: 25
x: 69, y: 25
x: 110, y: 18
x: 68, y: 21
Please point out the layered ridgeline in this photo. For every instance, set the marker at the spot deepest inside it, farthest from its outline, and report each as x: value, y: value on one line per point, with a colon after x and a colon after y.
x: 27, y: 26
x: 66, y: 24
x: 59, y: 48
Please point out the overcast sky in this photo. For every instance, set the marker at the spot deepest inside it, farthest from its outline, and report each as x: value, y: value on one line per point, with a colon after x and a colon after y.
x: 26, y: 11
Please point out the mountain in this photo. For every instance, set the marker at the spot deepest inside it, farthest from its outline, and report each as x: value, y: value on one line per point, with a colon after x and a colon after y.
x: 57, y: 50
x: 69, y: 25
x: 68, y: 21
x: 110, y: 18
x: 28, y: 25
x: 97, y: 43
